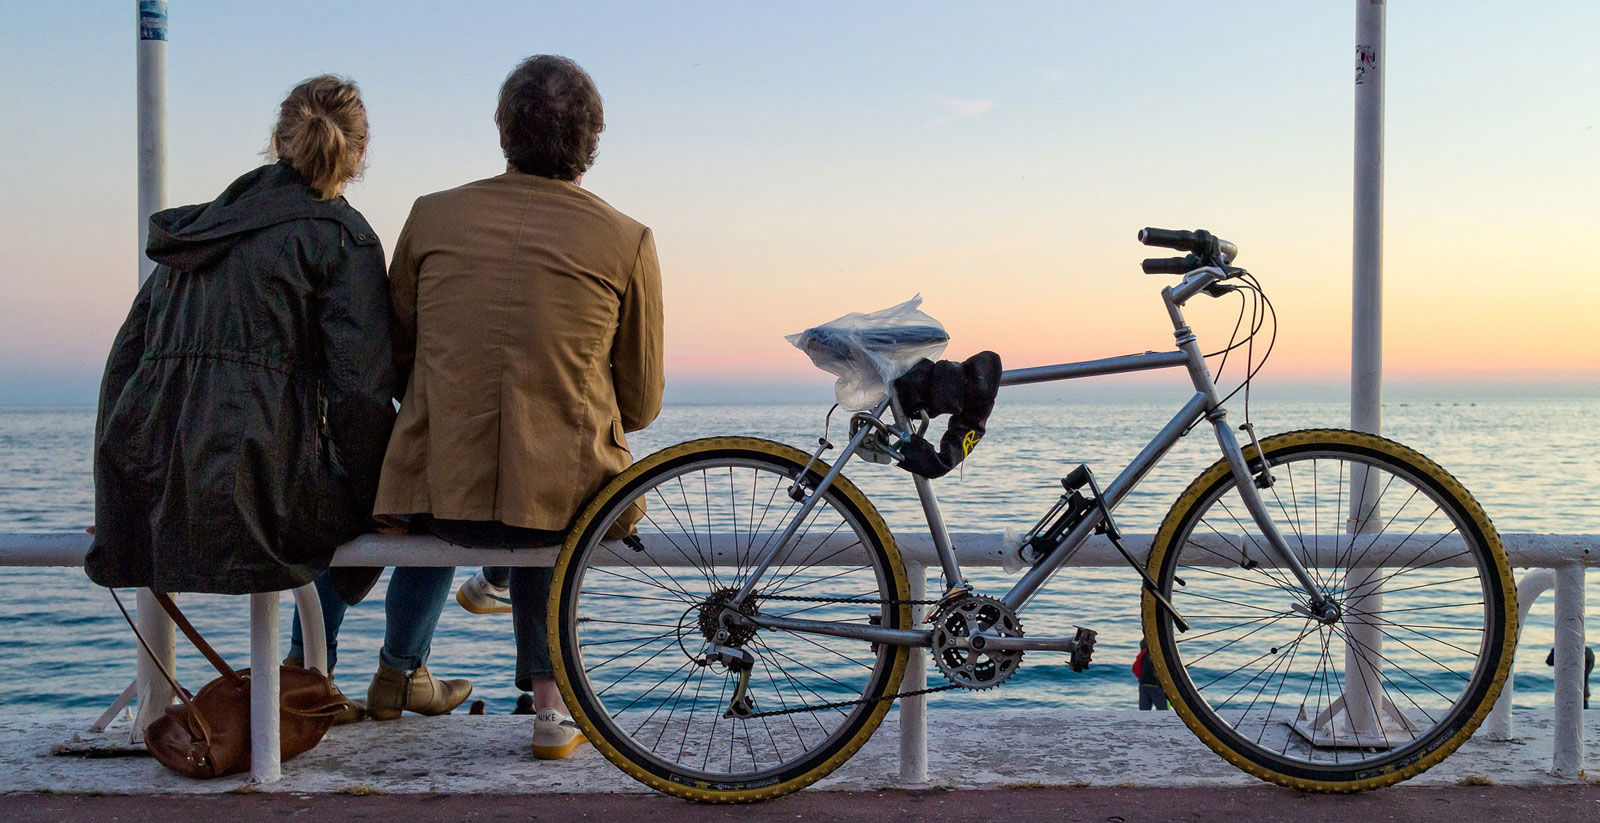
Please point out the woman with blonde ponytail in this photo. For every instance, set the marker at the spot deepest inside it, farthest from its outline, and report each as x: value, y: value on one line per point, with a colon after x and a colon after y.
x: 322, y: 133
x: 249, y: 395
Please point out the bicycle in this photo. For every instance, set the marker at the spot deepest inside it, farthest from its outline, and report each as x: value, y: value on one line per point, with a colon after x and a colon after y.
x: 1328, y: 610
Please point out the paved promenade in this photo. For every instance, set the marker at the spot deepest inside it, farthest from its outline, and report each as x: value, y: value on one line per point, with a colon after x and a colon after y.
x: 1545, y: 804
x: 992, y: 750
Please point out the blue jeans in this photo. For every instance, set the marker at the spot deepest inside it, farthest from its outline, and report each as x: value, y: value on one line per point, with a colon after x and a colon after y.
x: 412, y: 605
x: 530, y: 586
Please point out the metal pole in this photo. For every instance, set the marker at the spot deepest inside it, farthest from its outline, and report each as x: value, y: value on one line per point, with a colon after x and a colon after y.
x: 154, y: 693
x: 152, y: 121
x: 1366, y: 355
x: 914, y: 709
x: 1364, y: 649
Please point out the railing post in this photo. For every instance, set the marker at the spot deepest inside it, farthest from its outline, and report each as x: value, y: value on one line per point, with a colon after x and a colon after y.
x: 265, y: 752
x: 914, y: 710
x: 154, y: 693
x: 1533, y: 584
x: 1568, y: 758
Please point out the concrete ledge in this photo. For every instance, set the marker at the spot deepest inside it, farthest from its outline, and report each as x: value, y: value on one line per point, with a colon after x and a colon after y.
x: 465, y: 754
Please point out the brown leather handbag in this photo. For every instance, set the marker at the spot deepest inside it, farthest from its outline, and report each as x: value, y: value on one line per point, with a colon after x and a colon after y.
x: 208, y: 735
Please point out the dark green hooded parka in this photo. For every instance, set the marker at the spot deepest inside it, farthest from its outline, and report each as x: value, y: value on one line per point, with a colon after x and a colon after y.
x: 247, y: 400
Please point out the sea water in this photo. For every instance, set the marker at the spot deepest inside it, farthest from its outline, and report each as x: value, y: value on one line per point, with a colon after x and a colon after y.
x: 1534, y: 464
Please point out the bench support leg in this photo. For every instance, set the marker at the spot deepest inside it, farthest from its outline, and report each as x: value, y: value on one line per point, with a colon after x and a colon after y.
x: 264, y: 747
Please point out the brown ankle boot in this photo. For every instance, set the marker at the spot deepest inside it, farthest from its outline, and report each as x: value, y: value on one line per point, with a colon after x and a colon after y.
x: 394, y: 691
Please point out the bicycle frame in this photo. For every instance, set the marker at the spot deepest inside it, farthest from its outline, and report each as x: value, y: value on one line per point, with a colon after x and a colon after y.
x: 1205, y: 404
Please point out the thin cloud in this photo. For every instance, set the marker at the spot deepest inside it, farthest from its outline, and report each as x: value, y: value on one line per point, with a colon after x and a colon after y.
x: 958, y: 109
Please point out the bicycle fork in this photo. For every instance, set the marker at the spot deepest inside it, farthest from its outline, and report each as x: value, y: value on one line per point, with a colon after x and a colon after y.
x: 1318, y: 607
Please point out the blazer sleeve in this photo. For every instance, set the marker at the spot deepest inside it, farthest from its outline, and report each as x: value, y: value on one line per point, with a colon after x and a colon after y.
x: 637, y: 372
x: 403, y: 306
x: 360, y: 382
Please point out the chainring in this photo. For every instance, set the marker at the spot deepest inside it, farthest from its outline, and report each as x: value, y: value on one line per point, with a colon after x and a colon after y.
x: 956, y: 621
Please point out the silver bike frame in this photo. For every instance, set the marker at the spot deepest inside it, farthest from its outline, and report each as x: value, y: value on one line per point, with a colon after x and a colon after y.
x: 1205, y: 404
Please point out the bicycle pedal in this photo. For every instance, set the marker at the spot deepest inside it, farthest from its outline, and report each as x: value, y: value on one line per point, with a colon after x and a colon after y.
x: 1082, y: 649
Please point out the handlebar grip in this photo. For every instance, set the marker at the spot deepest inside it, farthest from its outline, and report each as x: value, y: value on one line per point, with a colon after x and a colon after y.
x: 1172, y: 239
x: 1170, y: 265
x: 1202, y: 242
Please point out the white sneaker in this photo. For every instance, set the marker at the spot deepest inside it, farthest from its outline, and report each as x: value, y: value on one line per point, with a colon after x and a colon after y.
x: 479, y: 596
x: 555, y: 735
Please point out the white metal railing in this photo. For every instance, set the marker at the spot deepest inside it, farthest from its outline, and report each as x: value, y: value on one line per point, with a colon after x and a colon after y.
x: 1556, y: 558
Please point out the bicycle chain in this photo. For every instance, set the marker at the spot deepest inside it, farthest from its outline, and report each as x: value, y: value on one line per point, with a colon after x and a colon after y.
x: 760, y: 596
x: 843, y: 703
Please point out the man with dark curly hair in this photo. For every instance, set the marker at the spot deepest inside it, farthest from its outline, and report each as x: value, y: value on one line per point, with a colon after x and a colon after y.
x: 527, y: 316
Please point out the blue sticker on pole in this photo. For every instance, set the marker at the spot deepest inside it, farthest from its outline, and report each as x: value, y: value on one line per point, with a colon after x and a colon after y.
x: 152, y: 19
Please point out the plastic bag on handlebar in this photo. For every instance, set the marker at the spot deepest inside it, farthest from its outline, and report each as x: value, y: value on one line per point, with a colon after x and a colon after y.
x: 868, y: 351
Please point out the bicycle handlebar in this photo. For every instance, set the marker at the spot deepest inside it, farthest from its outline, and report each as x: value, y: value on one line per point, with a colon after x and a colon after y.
x: 1202, y: 243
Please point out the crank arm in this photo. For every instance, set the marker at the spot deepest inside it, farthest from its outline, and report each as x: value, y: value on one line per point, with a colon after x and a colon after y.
x: 852, y: 631
x: 985, y: 642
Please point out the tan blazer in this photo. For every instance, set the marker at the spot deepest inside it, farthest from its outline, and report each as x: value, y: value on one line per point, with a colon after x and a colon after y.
x: 528, y: 312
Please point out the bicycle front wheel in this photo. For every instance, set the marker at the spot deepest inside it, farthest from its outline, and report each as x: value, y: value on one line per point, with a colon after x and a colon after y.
x: 632, y: 621
x: 1424, y: 637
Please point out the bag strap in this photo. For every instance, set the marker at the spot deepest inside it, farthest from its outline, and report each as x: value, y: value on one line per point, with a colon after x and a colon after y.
x: 171, y: 681
x: 194, y: 637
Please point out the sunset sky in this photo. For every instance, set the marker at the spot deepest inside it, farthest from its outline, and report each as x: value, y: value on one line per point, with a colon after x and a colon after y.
x: 801, y: 160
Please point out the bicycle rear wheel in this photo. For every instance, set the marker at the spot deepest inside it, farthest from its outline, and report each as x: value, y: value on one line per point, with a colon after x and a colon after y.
x: 631, y: 621
x: 1411, y: 666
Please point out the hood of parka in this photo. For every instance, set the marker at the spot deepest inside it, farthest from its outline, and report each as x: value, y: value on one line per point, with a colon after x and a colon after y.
x: 194, y: 237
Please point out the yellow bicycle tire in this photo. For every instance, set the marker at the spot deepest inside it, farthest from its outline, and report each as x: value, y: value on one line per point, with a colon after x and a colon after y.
x: 1501, y: 632
x: 588, y: 529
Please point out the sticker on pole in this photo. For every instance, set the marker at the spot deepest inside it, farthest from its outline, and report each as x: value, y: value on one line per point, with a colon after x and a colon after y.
x: 1366, y: 61
x: 153, y: 19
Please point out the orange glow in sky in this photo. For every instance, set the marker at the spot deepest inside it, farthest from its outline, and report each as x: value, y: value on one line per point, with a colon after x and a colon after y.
x: 800, y: 162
